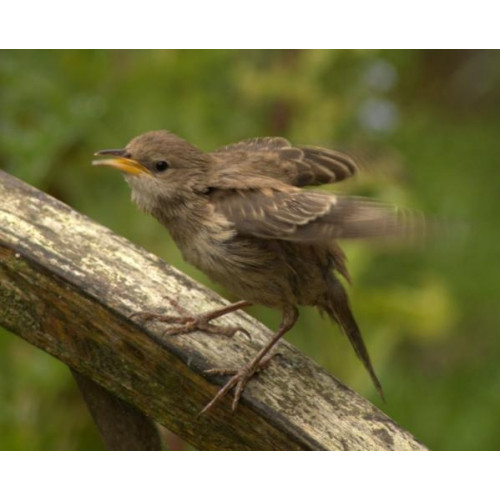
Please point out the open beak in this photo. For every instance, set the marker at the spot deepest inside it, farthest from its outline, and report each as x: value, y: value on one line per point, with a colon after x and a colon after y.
x: 126, y: 165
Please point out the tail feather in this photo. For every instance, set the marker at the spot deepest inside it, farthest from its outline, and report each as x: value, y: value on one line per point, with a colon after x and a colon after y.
x: 337, y: 307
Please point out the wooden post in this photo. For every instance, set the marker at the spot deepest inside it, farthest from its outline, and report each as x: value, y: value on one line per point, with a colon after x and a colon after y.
x: 69, y: 285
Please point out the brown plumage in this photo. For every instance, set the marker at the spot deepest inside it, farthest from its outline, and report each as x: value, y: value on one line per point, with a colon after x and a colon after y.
x: 239, y: 214
x: 275, y: 157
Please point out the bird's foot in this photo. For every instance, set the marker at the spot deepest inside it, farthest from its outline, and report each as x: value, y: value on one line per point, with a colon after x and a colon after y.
x: 188, y: 323
x: 239, y: 380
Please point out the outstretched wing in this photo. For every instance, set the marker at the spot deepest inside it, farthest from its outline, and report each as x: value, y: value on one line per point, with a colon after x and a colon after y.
x: 276, y: 158
x: 312, y: 217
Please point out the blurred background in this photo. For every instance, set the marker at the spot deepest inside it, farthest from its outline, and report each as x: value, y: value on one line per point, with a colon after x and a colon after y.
x: 425, y: 127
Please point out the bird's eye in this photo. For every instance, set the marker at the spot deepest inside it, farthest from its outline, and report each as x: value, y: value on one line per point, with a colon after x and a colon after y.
x: 161, y: 166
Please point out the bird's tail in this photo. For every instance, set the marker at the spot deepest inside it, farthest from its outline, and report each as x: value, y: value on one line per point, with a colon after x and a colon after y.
x: 338, y: 308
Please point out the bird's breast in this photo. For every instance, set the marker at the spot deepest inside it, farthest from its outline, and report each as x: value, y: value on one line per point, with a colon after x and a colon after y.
x: 251, y: 268
x: 202, y: 238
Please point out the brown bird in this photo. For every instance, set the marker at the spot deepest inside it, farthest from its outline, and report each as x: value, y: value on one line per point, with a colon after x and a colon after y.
x: 239, y: 214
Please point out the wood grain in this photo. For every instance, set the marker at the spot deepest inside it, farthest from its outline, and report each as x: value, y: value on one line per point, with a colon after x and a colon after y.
x: 68, y: 286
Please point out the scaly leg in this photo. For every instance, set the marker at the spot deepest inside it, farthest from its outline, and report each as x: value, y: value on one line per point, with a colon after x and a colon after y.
x: 188, y: 323
x: 241, y: 377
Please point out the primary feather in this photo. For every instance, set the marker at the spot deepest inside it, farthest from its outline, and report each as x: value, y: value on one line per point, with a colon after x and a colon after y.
x: 313, y: 217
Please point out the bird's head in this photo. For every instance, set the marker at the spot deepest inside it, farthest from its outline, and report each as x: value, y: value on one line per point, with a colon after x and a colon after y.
x: 158, y: 164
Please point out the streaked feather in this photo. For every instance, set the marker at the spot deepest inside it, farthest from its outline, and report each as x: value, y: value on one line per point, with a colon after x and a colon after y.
x: 276, y: 158
x: 311, y: 217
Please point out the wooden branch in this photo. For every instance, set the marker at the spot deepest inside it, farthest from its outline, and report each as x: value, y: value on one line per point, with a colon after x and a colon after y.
x: 68, y: 286
x: 122, y: 426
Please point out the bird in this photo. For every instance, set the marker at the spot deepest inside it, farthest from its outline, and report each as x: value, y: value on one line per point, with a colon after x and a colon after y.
x: 247, y: 215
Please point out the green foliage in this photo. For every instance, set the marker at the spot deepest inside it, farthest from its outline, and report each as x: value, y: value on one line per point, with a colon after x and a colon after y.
x: 425, y: 126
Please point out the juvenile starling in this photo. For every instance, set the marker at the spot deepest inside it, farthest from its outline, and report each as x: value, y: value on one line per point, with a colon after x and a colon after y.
x: 239, y: 214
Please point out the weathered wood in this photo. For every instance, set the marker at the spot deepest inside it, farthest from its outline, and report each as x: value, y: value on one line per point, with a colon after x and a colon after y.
x: 68, y: 285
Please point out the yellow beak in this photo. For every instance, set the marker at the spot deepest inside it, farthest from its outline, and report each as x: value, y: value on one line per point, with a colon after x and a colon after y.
x: 126, y: 165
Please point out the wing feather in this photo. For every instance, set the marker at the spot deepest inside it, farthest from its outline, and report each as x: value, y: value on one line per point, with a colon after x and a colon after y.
x: 312, y: 217
x: 276, y: 158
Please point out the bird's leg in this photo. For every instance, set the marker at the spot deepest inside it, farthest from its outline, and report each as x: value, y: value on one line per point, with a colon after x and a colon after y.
x: 241, y: 377
x: 187, y: 323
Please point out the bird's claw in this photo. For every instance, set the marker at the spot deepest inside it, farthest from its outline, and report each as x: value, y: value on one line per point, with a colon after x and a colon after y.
x: 200, y: 324
x: 147, y: 316
x: 239, y: 380
x: 188, y: 323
